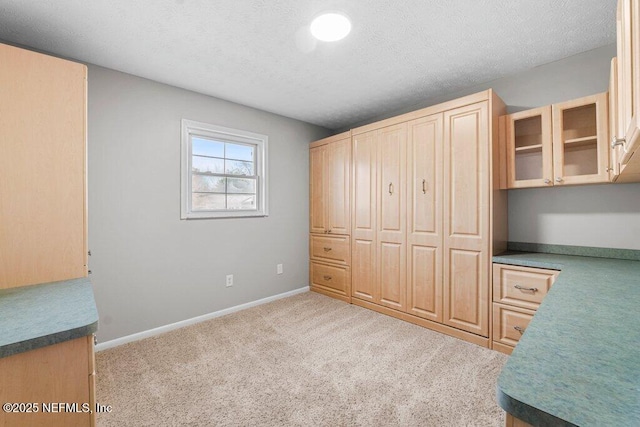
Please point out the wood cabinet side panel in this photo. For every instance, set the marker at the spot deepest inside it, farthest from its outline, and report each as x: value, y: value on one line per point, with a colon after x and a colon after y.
x: 56, y: 373
x: 42, y: 168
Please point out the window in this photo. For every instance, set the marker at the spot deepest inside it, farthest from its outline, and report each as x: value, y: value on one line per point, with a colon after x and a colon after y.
x: 223, y: 172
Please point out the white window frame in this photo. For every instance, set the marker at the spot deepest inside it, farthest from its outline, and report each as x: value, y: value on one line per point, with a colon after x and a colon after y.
x: 191, y: 127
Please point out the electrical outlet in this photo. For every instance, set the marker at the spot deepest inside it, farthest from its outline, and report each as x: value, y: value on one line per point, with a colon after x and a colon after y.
x: 279, y: 269
x: 229, y: 280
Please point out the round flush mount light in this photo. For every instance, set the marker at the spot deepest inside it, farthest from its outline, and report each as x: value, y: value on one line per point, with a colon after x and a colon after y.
x: 330, y: 27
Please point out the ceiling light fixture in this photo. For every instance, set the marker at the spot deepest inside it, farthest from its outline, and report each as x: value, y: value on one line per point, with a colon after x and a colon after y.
x: 330, y: 27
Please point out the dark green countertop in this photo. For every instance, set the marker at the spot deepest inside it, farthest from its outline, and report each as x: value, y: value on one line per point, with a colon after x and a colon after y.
x: 40, y: 315
x: 578, y: 363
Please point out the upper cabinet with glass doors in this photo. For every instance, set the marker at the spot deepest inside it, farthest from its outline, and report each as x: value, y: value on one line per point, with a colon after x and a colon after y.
x: 561, y: 144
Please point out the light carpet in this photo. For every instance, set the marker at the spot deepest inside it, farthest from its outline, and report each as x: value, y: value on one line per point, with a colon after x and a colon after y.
x: 307, y: 360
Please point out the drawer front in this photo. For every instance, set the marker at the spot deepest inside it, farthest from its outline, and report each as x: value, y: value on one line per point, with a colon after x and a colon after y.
x: 331, y: 278
x: 521, y: 286
x: 509, y: 323
x: 330, y: 249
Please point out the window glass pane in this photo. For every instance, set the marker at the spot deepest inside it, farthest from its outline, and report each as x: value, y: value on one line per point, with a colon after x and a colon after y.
x: 241, y: 185
x: 207, y: 202
x: 207, y: 184
x: 206, y: 164
x: 239, y: 152
x: 236, y: 167
x: 207, y: 147
x: 243, y: 202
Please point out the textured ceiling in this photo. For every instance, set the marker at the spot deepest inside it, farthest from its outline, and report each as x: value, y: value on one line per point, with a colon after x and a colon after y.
x: 259, y: 52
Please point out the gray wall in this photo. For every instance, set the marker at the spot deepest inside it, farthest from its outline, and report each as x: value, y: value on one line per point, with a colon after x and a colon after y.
x: 593, y: 215
x: 149, y: 267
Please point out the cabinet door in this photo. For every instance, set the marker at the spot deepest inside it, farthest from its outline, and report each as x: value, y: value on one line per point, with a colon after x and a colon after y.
x: 42, y: 168
x: 424, y: 218
x: 614, y: 129
x: 363, y: 256
x: 466, y: 218
x: 580, y: 141
x: 317, y: 208
x: 529, y: 158
x: 391, y: 247
x: 628, y: 76
x: 338, y: 186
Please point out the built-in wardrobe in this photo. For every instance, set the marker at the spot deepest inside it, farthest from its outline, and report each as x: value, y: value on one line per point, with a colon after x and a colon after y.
x: 426, y: 214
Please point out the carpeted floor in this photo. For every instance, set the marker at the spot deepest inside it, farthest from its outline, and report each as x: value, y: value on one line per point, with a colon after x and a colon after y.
x: 307, y: 360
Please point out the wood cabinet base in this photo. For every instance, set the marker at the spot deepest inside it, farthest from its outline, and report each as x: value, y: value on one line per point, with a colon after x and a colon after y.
x: 511, y: 421
x: 438, y: 327
x: 55, y: 375
x: 329, y: 293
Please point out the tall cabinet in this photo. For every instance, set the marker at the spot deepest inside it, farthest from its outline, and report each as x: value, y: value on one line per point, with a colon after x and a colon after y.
x: 329, y: 216
x: 43, y: 221
x: 426, y: 211
x: 42, y: 168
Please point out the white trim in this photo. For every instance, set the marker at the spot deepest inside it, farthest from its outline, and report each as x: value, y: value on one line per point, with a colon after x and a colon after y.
x: 181, y: 324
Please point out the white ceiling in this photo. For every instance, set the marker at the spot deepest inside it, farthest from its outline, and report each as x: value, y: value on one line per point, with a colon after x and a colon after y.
x: 259, y: 52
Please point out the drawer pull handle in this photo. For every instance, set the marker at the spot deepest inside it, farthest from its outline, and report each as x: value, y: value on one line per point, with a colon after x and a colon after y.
x: 424, y: 186
x: 327, y: 249
x: 327, y: 277
x: 519, y: 329
x: 522, y: 288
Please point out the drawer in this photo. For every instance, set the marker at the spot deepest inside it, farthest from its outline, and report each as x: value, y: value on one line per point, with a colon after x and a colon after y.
x: 521, y: 286
x: 331, y: 278
x: 333, y: 249
x: 509, y: 323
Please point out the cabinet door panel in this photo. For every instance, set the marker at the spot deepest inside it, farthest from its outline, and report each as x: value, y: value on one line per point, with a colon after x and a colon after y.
x: 466, y: 299
x: 363, y: 280
x: 317, y: 160
x: 338, y: 172
x: 391, y: 188
x: 424, y: 218
x: 425, y: 283
x: 364, y: 186
x: 392, y: 275
x: 42, y: 168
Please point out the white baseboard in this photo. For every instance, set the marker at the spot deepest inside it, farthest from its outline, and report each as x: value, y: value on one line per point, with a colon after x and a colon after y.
x: 162, y: 329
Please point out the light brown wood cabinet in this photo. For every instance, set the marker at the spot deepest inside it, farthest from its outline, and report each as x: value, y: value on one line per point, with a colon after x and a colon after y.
x: 424, y: 217
x: 560, y: 144
x: 330, y: 216
x: 379, y: 223
x: 43, y: 220
x: 625, y: 136
x: 62, y: 373
x: 42, y: 168
x: 330, y: 164
x: 517, y: 294
x: 426, y: 211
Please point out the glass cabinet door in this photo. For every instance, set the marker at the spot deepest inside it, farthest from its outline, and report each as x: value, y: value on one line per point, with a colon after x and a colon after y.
x: 581, y: 152
x: 529, y: 149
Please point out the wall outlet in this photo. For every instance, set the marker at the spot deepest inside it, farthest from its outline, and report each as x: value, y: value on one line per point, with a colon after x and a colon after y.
x: 229, y: 280
x: 279, y: 269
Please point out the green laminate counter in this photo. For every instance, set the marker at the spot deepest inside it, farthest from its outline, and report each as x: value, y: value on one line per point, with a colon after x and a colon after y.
x: 40, y: 315
x: 578, y: 362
